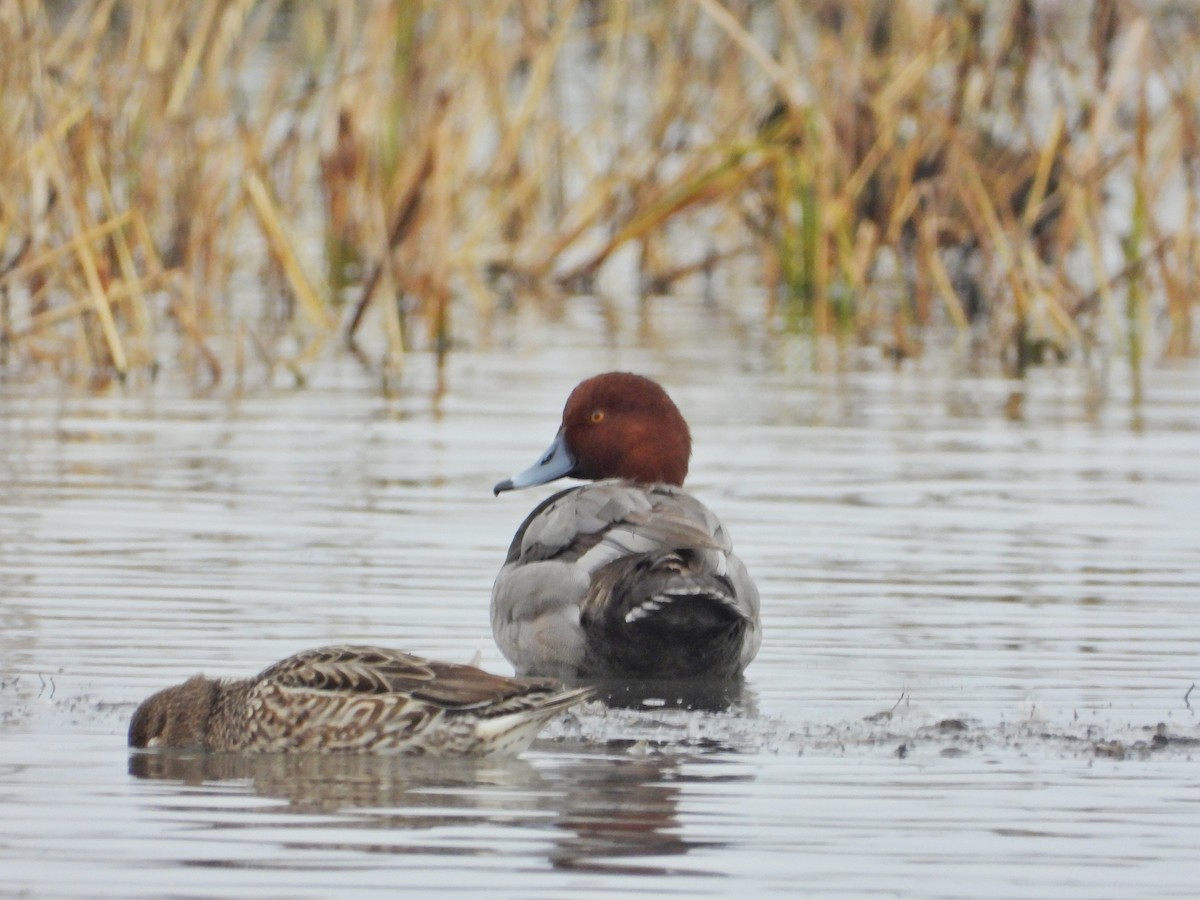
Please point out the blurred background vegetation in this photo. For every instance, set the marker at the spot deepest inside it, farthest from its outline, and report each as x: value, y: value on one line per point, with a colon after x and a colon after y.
x: 207, y: 185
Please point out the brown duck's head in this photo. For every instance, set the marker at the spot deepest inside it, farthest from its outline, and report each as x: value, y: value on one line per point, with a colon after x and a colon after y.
x: 177, y: 717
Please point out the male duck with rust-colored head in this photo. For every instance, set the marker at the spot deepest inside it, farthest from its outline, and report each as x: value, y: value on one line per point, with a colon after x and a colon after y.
x: 628, y: 577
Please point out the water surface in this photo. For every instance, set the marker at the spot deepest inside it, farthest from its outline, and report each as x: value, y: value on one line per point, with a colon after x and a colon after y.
x: 979, y: 635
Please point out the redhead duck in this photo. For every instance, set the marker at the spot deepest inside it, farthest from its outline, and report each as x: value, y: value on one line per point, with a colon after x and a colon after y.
x: 628, y: 577
x: 353, y: 699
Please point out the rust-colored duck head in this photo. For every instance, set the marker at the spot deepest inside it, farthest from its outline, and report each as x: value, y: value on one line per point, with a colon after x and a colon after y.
x: 615, y: 425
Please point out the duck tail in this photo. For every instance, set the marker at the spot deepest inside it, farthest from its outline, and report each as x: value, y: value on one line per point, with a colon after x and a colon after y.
x: 672, y: 589
x: 510, y: 727
x: 666, y: 614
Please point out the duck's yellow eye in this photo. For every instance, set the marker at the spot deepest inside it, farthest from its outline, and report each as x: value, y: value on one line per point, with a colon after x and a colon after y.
x: 597, y: 416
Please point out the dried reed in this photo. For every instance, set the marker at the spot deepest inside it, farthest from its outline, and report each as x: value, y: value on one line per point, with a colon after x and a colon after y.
x: 179, y: 182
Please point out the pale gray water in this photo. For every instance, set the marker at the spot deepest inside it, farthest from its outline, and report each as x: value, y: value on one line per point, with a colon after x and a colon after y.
x: 1012, y: 596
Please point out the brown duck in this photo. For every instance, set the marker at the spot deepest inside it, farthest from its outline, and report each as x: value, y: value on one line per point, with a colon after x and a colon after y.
x: 354, y: 699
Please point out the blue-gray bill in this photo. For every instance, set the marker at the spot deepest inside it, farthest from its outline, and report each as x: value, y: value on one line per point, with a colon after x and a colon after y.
x: 556, y: 462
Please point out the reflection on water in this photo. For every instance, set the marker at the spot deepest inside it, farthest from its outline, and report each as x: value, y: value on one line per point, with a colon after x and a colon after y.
x: 979, y: 634
x: 622, y: 810
x: 606, y: 813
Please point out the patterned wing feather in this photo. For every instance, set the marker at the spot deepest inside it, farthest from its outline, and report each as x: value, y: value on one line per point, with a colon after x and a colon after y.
x: 366, y: 671
x: 605, y: 520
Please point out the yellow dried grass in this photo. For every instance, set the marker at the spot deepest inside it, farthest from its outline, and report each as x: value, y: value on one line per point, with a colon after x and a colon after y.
x: 144, y: 153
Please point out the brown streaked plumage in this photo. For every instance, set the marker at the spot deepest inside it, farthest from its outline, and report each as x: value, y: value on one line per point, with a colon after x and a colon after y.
x: 354, y: 699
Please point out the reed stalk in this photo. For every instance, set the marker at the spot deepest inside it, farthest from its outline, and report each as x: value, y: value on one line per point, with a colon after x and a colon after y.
x: 183, y: 183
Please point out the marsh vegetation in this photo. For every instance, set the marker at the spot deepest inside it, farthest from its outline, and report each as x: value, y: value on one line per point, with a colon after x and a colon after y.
x: 216, y: 186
